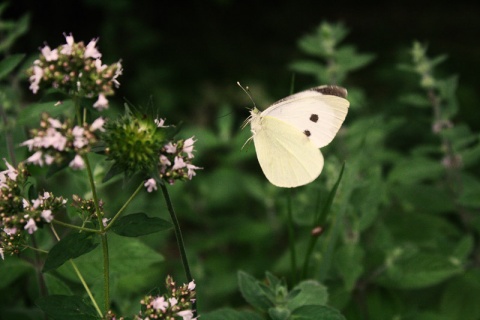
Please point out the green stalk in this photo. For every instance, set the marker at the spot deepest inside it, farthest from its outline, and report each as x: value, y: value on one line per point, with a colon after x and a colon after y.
x: 115, y: 217
x: 180, y: 243
x: 291, y: 238
x: 103, y: 236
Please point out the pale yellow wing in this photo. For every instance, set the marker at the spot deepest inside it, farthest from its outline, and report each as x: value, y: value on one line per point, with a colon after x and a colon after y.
x: 286, y: 155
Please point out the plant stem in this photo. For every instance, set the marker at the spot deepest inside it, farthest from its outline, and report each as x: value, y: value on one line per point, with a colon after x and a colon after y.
x: 178, y: 235
x: 80, y: 276
x: 72, y: 226
x: 103, y: 236
x: 124, y: 206
x: 291, y: 238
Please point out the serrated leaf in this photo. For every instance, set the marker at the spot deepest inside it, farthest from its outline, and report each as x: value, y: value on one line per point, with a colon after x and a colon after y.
x: 9, y: 63
x: 139, y: 224
x: 230, y: 314
x: 414, y: 170
x: 72, y: 246
x: 311, y: 292
x: 252, y: 292
x: 316, y: 313
x: 59, y: 307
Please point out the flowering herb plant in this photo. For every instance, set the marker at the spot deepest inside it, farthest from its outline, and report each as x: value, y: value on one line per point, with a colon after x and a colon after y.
x: 135, y: 145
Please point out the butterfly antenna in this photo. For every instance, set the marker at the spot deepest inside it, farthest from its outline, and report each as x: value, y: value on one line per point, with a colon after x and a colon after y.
x: 247, y: 91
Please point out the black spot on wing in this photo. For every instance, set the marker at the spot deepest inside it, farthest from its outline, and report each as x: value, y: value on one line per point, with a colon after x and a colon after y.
x: 307, y: 133
x: 314, y: 118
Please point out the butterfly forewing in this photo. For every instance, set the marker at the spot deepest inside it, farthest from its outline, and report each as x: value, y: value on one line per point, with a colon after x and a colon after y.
x: 317, y: 115
x: 287, y: 157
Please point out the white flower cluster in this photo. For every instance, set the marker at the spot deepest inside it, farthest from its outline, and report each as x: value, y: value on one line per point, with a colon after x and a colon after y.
x: 78, y: 68
x: 56, y: 138
x: 177, y: 303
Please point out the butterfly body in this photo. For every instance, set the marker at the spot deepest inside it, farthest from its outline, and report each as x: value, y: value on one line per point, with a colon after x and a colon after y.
x: 288, y: 134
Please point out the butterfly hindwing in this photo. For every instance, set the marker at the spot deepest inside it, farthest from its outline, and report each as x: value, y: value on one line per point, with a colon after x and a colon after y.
x: 287, y: 157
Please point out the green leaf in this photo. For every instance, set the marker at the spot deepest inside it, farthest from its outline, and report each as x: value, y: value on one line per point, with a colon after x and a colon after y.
x: 311, y: 293
x: 20, y: 27
x: 414, y: 170
x: 139, y: 224
x: 349, y: 263
x: 308, y: 67
x: 460, y: 298
x: 14, y: 268
x: 56, y: 286
x: 416, y: 100
x: 72, y: 246
x: 316, y: 313
x: 67, y: 307
x: 9, y: 63
x: 31, y: 115
x: 230, y: 314
x: 252, y: 292
x: 421, y: 270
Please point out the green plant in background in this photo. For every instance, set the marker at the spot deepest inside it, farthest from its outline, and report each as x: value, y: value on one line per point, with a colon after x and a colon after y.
x: 391, y: 234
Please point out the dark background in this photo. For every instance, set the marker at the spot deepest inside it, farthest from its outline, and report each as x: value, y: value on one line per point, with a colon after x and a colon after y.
x: 188, y: 55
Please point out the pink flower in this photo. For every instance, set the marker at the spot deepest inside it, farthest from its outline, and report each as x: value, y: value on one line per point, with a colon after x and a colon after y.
x: 31, y: 227
x: 11, y: 172
x: 36, y: 159
x: 188, y: 147
x: 50, y: 55
x: 159, y: 122
x: 186, y: 314
x: 98, y: 125
x: 101, y: 103
x: 172, y: 301
x: 36, y: 78
x: 160, y: 304
x: 91, y: 50
x: 47, y: 215
x: 170, y: 148
x: 77, y: 163
x: 10, y: 231
x: 179, y: 163
x: 1, y: 254
x: 67, y: 48
x: 191, y: 285
x: 55, y: 123
x: 191, y: 170
x: 150, y: 184
x: 99, y: 66
x: 80, y: 141
x: 118, y: 73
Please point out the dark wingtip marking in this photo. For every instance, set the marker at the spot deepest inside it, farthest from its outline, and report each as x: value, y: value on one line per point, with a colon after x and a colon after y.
x: 314, y: 118
x: 332, y: 91
x: 307, y: 133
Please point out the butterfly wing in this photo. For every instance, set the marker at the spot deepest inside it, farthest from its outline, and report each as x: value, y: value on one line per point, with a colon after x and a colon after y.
x: 286, y: 155
x: 317, y: 115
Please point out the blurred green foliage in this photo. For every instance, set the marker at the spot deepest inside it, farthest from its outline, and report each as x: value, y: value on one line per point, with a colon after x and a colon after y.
x: 401, y: 240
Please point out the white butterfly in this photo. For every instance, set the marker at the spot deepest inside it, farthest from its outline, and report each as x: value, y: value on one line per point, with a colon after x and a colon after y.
x: 288, y: 135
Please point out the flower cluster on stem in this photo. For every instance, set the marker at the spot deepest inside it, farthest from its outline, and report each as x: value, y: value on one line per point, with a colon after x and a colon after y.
x: 55, y: 142
x: 77, y: 70
x: 20, y: 216
x: 176, y: 303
